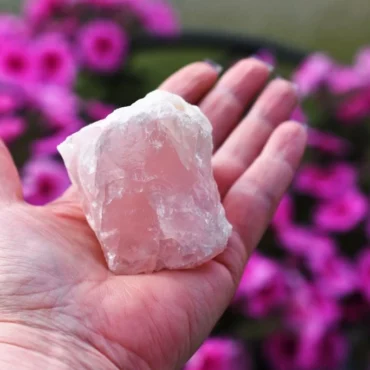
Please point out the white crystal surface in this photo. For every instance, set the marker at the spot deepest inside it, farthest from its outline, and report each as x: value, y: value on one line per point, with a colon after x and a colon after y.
x: 146, y: 184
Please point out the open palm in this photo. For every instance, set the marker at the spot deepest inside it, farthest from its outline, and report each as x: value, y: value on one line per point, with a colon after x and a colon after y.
x: 61, y: 308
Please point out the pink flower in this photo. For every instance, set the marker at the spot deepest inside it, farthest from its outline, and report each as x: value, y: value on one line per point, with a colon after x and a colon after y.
x: 11, y: 128
x: 342, y: 214
x: 362, y: 63
x: 310, y: 311
x: 290, y: 351
x: 266, y: 56
x: 284, y: 214
x: 343, y: 80
x: 54, y: 60
x: 122, y: 4
x: 307, y: 243
x: 326, y: 183
x: 104, y: 45
x: 327, y: 142
x: 262, y: 287
x: 12, y: 27
x: 335, y: 276
x: 97, y: 110
x: 313, y: 73
x: 329, y: 351
x: 39, y: 11
x: 8, y: 103
x: 355, y: 107
x: 58, y: 105
x: 44, y: 180
x: 48, y: 145
x: 282, y: 350
x: 363, y: 263
x: 219, y: 354
x: 16, y: 63
x: 298, y: 115
x: 159, y: 18
x: 68, y: 26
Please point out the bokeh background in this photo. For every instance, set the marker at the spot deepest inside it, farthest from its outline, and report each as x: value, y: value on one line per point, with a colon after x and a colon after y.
x: 339, y: 27
x: 304, y: 300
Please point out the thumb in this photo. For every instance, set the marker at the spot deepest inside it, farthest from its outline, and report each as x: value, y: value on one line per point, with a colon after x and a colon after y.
x: 10, y: 184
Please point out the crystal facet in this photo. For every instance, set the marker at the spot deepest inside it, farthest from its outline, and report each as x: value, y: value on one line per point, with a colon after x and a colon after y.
x: 145, y: 180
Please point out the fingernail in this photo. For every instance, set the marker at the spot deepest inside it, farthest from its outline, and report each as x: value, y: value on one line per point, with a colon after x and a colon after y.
x: 294, y: 85
x: 269, y: 66
x: 278, y: 77
x: 217, y: 67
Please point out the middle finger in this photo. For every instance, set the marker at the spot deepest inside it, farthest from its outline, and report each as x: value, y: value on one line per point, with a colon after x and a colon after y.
x: 227, y: 101
x: 241, y: 148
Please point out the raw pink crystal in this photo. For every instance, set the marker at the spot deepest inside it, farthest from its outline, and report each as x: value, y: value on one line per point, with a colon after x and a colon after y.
x: 145, y: 179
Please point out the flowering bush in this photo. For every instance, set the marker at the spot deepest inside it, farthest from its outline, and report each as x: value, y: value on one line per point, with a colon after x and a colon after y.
x: 57, y: 66
x: 303, y: 302
x: 304, y: 299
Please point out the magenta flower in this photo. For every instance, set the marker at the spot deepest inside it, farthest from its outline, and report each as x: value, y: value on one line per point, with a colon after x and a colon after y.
x: 266, y: 56
x: 284, y: 214
x: 282, y: 350
x: 336, y: 276
x: 328, y: 351
x: 12, y: 27
x: 8, y: 103
x: 11, y: 128
x: 44, y: 180
x: 343, y: 80
x: 326, y: 183
x: 362, y: 63
x: 355, y: 108
x: 16, y: 63
x: 313, y: 73
x: 104, y: 45
x: 39, y: 11
x: 298, y: 115
x: 48, y: 145
x: 310, y: 311
x: 47, y: 99
x: 159, y: 18
x: 262, y: 287
x: 363, y: 263
x: 219, y: 354
x: 97, y: 110
x: 54, y: 60
x: 327, y: 142
x: 130, y: 4
x: 290, y: 351
x: 307, y: 243
x: 68, y: 26
x: 342, y: 214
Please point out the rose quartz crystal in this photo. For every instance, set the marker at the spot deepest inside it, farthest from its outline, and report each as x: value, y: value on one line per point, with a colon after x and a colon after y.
x: 145, y: 180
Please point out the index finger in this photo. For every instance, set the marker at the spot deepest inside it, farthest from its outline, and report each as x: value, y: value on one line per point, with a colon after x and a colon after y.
x: 192, y: 82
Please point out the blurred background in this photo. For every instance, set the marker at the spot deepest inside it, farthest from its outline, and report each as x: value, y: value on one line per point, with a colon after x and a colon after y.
x: 339, y: 27
x: 304, y: 300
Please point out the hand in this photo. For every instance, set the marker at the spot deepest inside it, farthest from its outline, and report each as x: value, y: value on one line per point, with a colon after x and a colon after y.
x: 61, y: 308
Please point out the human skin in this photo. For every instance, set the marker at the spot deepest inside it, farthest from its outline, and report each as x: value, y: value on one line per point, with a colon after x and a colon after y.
x: 60, y: 306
